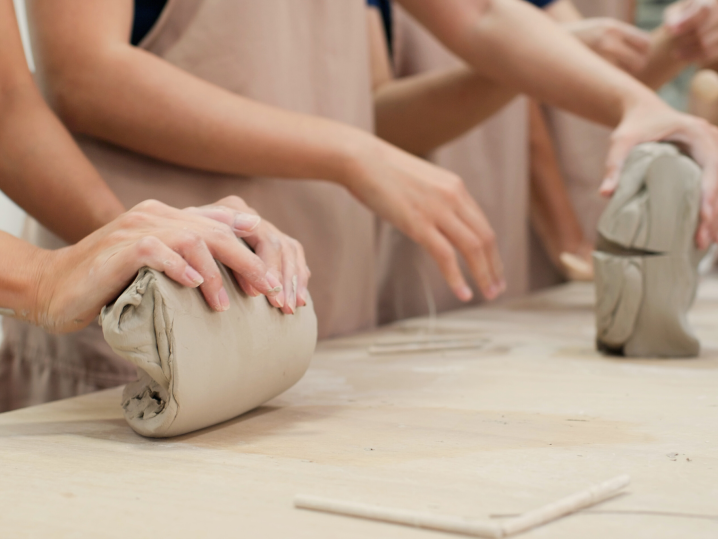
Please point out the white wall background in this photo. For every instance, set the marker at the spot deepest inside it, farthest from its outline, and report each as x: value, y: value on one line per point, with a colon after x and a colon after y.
x: 11, y: 217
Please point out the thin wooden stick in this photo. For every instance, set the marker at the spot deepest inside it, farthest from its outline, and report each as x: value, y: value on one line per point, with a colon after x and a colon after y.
x: 570, y: 504
x: 435, y: 345
x: 474, y: 528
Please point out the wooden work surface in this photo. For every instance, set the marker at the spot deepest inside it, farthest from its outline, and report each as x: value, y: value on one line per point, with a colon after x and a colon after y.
x: 529, y: 415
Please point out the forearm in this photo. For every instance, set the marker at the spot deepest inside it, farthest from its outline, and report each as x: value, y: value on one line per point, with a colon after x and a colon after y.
x: 421, y: 113
x: 143, y: 103
x: 21, y: 266
x: 44, y: 172
x: 663, y: 64
x: 538, y: 59
x: 552, y: 213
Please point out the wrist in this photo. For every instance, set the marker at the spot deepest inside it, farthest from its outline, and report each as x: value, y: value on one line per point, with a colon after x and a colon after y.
x: 357, y: 152
x: 22, y: 280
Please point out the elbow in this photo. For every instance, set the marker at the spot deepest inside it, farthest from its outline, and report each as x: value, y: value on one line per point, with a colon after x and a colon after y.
x: 63, y: 96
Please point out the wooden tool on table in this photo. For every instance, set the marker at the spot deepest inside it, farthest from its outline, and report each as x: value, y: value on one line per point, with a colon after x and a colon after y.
x: 475, y: 528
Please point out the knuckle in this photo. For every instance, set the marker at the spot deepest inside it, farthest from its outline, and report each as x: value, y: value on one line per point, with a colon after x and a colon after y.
x: 191, y: 239
x: 134, y: 219
x: 223, y: 232
x: 476, y: 246
x: 148, y: 246
x: 150, y: 206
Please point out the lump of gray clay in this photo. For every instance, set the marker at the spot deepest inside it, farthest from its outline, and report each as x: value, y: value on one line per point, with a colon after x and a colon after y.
x: 646, y: 262
x: 198, y: 367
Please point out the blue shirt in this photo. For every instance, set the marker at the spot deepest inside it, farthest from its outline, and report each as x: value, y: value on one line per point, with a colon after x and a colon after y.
x: 541, y: 3
x: 147, y: 12
x: 384, y: 6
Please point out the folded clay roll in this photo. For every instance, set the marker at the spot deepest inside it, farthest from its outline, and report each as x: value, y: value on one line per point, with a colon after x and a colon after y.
x: 646, y: 262
x: 198, y: 367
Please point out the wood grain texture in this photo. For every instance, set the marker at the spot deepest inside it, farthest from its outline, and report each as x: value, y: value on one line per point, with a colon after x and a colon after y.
x: 530, y: 416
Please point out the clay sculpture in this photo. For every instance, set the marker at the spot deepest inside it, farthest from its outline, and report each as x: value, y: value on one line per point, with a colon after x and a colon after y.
x: 197, y: 367
x: 646, y: 262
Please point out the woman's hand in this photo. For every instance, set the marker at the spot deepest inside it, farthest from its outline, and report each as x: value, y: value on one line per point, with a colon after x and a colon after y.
x: 73, y: 283
x: 620, y: 43
x: 284, y: 256
x: 432, y: 207
x: 656, y: 121
x: 693, y: 24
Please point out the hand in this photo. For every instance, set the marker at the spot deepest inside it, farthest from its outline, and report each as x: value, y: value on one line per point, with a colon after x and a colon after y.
x: 433, y: 208
x: 656, y: 121
x: 621, y: 44
x: 284, y: 256
x: 75, y: 282
x: 694, y: 27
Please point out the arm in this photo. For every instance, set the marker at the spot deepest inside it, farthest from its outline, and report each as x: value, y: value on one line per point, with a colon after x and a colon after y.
x: 499, y: 38
x: 43, y: 170
x: 104, y: 87
x: 422, y: 112
x: 61, y: 189
x: 552, y: 214
x: 651, y: 58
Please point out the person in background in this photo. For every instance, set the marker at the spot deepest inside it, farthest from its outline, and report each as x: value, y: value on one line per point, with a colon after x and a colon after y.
x: 63, y: 290
x: 567, y: 152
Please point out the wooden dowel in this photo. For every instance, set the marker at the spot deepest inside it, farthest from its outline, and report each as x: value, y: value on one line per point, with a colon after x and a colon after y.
x: 474, y: 528
x: 491, y: 530
x: 426, y: 346
x: 566, y: 506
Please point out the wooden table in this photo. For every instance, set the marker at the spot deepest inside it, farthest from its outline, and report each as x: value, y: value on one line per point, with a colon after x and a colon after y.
x: 530, y: 414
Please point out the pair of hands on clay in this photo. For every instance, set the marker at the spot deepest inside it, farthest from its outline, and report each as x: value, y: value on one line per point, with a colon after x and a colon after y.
x: 75, y: 282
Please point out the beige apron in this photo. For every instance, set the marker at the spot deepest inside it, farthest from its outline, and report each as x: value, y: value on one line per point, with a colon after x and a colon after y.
x: 493, y: 162
x: 582, y: 148
x: 303, y: 55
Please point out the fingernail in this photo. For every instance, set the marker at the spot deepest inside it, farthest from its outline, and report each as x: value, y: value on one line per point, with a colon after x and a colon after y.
x: 465, y: 293
x: 252, y: 291
x: 302, y: 297
x: 293, y: 295
x: 276, y: 286
x: 193, y: 276
x: 246, y: 222
x: 223, y: 300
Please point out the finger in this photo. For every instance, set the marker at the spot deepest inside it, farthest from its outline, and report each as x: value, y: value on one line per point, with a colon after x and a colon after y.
x: 244, y: 285
x: 290, y: 278
x: 708, y: 228
x: 627, y: 58
x: 473, y: 248
x: 709, y: 44
x: 268, y: 247
x: 241, y: 223
x: 635, y: 38
x: 445, y: 256
x: 617, y: 155
x: 234, y: 254
x: 479, y: 224
x: 303, y: 275
x: 150, y: 251
x: 193, y: 249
